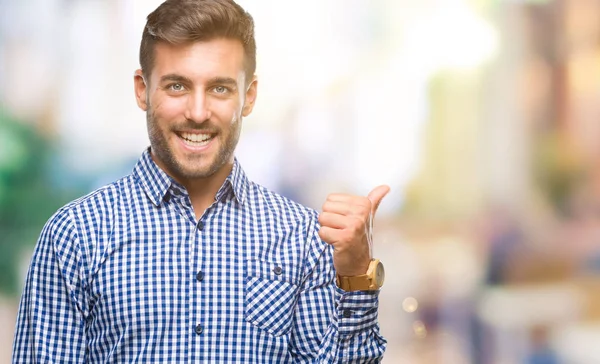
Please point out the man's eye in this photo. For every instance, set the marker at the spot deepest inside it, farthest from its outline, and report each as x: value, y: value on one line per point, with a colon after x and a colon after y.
x: 220, y: 89
x: 176, y: 87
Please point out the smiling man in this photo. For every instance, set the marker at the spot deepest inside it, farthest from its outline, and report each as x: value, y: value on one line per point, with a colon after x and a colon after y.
x: 186, y: 260
x: 195, y: 95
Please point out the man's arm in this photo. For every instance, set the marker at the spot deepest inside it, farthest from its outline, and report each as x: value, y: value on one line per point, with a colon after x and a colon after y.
x: 50, y: 323
x: 330, y: 325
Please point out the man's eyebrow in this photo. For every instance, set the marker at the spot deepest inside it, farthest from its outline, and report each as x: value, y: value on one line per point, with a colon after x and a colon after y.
x: 223, y: 81
x: 175, y: 78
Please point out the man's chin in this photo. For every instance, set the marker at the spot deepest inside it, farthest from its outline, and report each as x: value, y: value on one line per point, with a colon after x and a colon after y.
x: 196, y: 167
x: 195, y: 171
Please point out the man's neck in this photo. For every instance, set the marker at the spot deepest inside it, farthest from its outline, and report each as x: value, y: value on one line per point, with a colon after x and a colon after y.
x: 202, y: 191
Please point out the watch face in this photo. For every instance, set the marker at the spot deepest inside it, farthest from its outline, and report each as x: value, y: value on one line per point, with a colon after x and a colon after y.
x: 379, y: 274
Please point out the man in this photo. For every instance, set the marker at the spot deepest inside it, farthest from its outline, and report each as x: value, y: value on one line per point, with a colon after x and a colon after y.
x: 186, y: 260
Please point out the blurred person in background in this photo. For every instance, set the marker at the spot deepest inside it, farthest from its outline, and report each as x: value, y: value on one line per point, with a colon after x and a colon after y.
x: 186, y: 258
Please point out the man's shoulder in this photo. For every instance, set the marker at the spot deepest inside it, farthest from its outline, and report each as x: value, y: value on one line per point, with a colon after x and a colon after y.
x: 279, y: 203
x: 62, y: 226
x: 96, y: 202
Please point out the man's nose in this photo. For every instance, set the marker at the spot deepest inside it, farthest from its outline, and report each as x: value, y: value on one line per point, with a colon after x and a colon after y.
x: 198, y: 108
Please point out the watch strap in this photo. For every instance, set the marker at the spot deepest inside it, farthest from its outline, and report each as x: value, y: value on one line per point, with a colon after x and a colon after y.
x: 356, y: 283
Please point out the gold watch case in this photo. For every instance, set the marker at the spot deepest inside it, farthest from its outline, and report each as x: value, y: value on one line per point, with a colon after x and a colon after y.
x: 371, y: 281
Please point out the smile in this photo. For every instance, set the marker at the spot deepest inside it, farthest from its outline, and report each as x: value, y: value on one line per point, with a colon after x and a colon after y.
x: 196, y: 140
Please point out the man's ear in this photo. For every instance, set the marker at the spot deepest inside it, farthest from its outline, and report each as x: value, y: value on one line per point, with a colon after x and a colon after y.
x: 251, y: 91
x: 141, y: 89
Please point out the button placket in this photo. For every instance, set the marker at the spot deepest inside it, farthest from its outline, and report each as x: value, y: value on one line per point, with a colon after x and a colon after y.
x: 199, y: 276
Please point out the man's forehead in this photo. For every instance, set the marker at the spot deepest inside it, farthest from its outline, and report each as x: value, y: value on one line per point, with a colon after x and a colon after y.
x: 205, y: 59
x: 227, y: 46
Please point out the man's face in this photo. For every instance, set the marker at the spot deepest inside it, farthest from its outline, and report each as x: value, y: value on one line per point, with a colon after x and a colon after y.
x: 194, y: 100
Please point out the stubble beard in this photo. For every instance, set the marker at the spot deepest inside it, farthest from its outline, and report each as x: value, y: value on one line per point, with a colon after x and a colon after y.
x: 192, y: 167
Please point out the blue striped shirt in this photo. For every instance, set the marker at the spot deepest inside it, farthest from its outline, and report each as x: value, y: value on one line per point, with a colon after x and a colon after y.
x: 127, y: 274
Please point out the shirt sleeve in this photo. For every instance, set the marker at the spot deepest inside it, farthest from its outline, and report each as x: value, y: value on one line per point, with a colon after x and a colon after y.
x: 331, y: 325
x: 51, y: 318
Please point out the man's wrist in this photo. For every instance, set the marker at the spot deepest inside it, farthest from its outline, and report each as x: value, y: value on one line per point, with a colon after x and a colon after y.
x: 370, y: 281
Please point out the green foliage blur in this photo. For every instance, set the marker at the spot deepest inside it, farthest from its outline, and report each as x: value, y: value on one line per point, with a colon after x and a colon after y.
x: 558, y: 171
x: 27, y: 196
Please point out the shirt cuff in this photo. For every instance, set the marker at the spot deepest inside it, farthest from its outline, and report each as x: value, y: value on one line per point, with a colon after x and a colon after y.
x: 357, y: 311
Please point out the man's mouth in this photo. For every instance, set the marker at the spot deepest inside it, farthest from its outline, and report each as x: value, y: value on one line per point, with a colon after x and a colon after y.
x: 196, y: 139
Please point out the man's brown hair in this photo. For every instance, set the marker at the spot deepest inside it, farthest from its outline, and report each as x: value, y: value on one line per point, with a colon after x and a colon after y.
x: 185, y: 21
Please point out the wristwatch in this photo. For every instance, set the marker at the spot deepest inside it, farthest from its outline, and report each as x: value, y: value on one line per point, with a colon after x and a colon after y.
x: 371, y: 281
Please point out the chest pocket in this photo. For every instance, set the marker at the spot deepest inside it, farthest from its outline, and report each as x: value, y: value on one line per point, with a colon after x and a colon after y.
x: 270, y: 296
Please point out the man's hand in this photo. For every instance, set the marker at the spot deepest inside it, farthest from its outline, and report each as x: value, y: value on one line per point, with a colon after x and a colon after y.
x: 345, y: 224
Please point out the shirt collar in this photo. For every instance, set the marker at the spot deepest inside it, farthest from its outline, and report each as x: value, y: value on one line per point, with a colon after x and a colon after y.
x: 237, y: 182
x: 156, y: 182
x: 153, y: 180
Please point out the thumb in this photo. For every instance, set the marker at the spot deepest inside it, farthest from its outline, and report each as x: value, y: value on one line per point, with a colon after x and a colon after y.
x: 376, y: 195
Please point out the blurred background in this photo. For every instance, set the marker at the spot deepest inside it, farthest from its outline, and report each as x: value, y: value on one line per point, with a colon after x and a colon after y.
x: 482, y: 115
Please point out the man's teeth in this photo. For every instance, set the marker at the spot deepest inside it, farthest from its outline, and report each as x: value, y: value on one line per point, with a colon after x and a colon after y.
x: 196, y: 139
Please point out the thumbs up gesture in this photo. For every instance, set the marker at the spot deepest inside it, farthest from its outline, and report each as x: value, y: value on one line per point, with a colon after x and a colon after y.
x: 345, y: 224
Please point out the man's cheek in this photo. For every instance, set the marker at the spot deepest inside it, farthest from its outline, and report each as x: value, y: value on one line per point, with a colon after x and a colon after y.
x: 167, y: 109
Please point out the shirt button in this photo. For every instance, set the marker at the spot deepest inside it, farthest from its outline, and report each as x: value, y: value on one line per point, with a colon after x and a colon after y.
x: 347, y: 313
x: 200, y: 225
x: 199, y: 329
x: 200, y: 276
x: 277, y: 270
